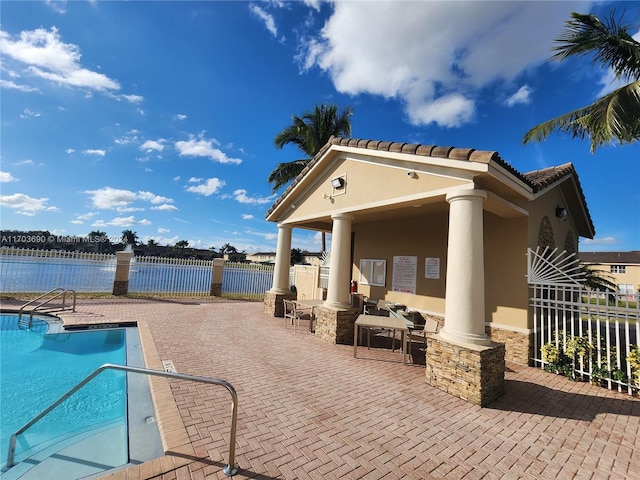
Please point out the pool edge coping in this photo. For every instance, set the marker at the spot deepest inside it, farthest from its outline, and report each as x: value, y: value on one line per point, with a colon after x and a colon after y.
x: 173, y: 433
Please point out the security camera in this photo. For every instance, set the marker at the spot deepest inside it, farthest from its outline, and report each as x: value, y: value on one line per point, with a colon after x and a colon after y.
x: 411, y: 174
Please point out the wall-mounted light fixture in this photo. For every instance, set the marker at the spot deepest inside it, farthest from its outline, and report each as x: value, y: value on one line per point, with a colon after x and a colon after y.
x: 561, y: 213
x: 293, y: 206
x: 337, y: 183
x: 412, y: 174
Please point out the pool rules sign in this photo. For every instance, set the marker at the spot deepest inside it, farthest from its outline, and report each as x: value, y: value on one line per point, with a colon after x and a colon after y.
x: 404, y: 274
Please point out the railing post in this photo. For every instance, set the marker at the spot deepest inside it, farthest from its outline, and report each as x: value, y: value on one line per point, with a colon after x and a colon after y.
x: 216, y: 277
x: 121, y: 280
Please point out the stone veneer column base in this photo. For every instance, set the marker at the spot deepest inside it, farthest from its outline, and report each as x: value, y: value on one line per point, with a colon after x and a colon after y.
x: 474, y: 373
x: 519, y: 346
x: 215, y: 290
x: 273, y: 305
x: 336, y: 325
x: 120, y: 288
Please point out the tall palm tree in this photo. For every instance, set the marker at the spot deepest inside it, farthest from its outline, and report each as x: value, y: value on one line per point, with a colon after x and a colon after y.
x: 309, y: 133
x: 615, y: 116
x: 129, y: 237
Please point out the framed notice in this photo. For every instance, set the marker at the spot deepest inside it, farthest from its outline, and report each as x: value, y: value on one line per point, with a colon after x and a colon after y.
x: 373, y: 272
x: 404, y: 274
x: 432, y: 267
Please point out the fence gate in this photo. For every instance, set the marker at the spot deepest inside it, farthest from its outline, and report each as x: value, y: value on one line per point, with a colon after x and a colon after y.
x: 582, y: 333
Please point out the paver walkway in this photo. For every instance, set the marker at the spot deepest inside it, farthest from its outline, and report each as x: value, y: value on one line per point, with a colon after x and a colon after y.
x: 308, y: 409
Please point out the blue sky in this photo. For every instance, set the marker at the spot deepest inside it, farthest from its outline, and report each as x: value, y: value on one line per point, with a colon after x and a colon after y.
x: 159, y: 117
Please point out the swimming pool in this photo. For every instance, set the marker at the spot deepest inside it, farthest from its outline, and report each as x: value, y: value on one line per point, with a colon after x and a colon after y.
x: 36, y: 368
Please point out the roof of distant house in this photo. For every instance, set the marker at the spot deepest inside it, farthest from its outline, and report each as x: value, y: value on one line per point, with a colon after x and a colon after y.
x: 632, y: 257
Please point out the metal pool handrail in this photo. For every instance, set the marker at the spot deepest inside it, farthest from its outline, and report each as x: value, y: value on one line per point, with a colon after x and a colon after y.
x: 230, y: 469
x: 61, y: 291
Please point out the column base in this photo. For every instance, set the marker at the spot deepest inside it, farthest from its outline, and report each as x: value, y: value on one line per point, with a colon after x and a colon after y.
x: 336, y: 325
x: 474, y: 373
x: 273, y: 305
x: 120, y: 288
x: 215, y: 290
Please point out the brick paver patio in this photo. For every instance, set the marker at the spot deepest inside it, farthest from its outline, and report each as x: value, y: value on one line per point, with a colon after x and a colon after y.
x: 308, y: 409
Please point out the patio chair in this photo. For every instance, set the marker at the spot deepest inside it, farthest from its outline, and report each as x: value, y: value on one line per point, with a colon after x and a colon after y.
x: 420, y: 331
x: 293, y: 313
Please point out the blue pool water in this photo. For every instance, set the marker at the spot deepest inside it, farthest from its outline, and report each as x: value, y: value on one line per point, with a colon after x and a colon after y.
x: 37, y: 368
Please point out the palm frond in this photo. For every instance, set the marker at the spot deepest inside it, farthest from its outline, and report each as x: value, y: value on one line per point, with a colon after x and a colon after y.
x: 285, y: 172
x: 611, y: 44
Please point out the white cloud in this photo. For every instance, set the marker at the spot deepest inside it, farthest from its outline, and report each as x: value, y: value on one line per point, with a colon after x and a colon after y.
x: 433, y: 55
x: 120, y: 222
x: 14, y: 86
x: 151, y: 145
x: 209, y: 187
x: 108, y: 198
x: 600, y: 241
x: 7, y: 177
x: 58, y: 6
x: 26, y: 113
x: 26, y: 205
x: 163, y: 230
x: 195, y: 180
x: 240, y: 195
x: 111, y: 198
x: 267, y: 18
x: 166, y: 207
x: 523, y: 95
x: 70, y: 150
x: 23, y: 162
x: 180, y: 116
x: 43, y: 54
x: 153, y: 198
x: 202, y: 147
x: 176, y: 178
x: 94, y: 151
x: 246, y: 216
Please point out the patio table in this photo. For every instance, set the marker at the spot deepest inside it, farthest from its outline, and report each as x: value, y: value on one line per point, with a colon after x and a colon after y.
x: 375, y: 321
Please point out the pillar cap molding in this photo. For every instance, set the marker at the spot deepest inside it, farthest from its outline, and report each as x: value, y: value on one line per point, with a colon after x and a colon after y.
x: 342, y: 216
x: 466, y: 194
x: 285, y: 225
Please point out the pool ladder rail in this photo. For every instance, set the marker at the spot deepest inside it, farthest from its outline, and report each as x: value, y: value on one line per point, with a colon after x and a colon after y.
x: 230, y: 469
x: 52, y: 295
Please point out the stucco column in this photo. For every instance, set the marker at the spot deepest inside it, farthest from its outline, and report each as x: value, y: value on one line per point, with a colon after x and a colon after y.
x: 464, y: 303
x: 283, y: 260
x: 121, y: 280
x: 340, y: 263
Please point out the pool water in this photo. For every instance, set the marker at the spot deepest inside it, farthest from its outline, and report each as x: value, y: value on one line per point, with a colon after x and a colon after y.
x: 37, y: 368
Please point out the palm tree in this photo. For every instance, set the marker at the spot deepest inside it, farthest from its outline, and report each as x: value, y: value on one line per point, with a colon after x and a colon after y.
x: 129, y: 237
x: 615, y: 116
x: 309, y: 133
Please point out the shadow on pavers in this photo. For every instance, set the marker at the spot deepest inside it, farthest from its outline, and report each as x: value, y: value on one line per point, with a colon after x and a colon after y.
x: 527, y: 397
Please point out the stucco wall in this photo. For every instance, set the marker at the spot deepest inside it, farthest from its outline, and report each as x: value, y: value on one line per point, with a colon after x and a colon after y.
x: 416, y: 236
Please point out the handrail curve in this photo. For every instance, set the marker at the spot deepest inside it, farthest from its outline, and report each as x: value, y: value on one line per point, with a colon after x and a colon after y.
x: 229, y: 470
x: 61, y: 291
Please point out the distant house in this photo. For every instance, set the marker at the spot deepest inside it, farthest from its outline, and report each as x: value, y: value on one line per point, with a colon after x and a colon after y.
x: 308, y: 258
x: 622, y: 267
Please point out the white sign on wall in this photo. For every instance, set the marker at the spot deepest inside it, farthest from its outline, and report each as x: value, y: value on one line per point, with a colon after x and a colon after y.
x: 405, y: 268
x: 432, y: 267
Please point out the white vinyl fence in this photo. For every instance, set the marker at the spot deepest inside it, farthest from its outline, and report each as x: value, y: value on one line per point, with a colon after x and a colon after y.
x: 579, y: 332
x: 39, y: 271
x: 25, y: 270
x: 170, y: 276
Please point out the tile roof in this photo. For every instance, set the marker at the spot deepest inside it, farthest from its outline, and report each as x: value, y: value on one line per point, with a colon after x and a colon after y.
x: 537, y: 180
x: 632, y: 257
